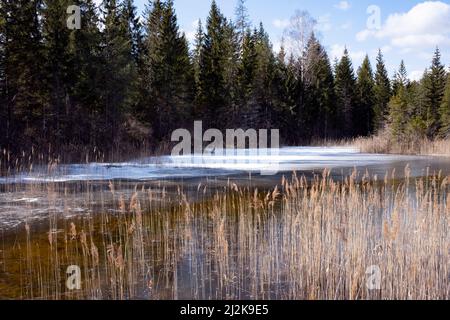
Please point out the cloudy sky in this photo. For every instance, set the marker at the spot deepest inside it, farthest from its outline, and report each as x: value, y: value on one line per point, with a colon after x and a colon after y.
x: 407, y: 29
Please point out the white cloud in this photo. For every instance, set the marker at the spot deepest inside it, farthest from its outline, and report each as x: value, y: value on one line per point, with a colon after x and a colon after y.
x: 385, y: 49
x: 363, y: 35
x: 192, y: 32
x: 281, y: 23
x: 421, y: 40
x: 426, y: 24
x: 343, y: 5
x: 415, y: 75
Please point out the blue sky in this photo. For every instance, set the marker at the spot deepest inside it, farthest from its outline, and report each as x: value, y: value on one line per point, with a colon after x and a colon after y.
x: 408, y: 29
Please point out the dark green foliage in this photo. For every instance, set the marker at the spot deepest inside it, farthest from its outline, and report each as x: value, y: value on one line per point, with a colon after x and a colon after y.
x: 214, y: 100
x: 320, y: 113
x: 400, y: 79
x: 382, y: 93
x: 23, y: 74
x: 345, y: 86
x: 119, y: 84
x: 86, y: 62
x: 365, y: 95
x: 59, y: 70
x: 399, y: 113
x: 168, y: 71
x: 242, y: 23
x: 434, y: 87
x: 118, y: 75
x: 445, y: 111
x: 3, y: 89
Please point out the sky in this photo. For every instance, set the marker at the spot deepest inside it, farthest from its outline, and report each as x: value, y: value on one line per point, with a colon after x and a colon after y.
x: 403, y: 29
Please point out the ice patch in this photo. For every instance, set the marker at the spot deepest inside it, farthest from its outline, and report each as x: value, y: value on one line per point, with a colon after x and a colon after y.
x: 237, y: 161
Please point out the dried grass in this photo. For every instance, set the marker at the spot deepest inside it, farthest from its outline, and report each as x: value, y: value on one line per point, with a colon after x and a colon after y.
x: 306, y: 239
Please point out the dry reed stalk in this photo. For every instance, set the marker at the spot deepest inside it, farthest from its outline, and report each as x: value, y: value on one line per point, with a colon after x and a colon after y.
x: 307, y: 239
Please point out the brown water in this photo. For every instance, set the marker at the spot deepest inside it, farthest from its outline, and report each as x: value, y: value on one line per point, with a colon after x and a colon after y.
x: 159, y: 238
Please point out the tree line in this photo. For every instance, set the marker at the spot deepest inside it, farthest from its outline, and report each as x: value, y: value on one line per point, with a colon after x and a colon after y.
x: 122, y: 81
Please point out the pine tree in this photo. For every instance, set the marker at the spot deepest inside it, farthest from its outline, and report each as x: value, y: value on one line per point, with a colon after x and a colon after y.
x: 319, y: 83
x: 242, y: 23
x: 131, y: 16
x: 197, y: 52
x: 23, y: 89
x: 230, y: 67
x: 297, y: 93
x: 86, y: 68
x: 345, y: 84
x: 416, y: 109
x: 445, y: 111
x: 403, y: 120
x: 400, y: 78
x: 245, y: 79
x: 399, y: 115
x: 118, y: 76
x: 382, y: 92
x: 150, y: 58
x: 434, y: 92
x: 212, y: 77
x: 59, y: 70
x: 3, y: 103
x: 171, y: 76
x: 283, y: 86
x: 363, y: 113
x: 265, y: 72
x: 109, y: 82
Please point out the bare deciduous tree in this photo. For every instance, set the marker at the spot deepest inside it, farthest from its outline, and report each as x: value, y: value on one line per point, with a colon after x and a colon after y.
x: 301, y: 26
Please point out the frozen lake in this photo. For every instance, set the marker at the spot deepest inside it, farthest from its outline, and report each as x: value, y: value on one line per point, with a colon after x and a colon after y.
x: 76, y: 189
x: 263, y: 162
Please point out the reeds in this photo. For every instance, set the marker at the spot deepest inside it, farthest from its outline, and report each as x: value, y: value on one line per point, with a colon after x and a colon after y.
x: 306, y: 239
x: 385, y: 143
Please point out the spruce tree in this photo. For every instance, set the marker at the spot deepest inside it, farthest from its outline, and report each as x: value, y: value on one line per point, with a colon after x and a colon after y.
x: 434, y: 92
x: 417, y: 109
x: 363, y: 113
x: 263, y: 97
x: 213, y: 84
x: 118, y: 74
x: 230, y: 68
x: 245, y: 79
x: 24, y: 90
x: 242, y: 24
x: 400, y: 79
x: 283, y: 84
x: 171, y: 84
x: 150, y: 58
x: 297, y: 93
x: 3, y: 103
x: 382, y: 92
x: 445, y: 111
x: 399, y: 114
x: 85, y: 69
x: 403, y: 120
x: 345, y: 85
x: 134, y: 31
x: 58, y: 69
x: 197, y: 51
x: 319, y: 83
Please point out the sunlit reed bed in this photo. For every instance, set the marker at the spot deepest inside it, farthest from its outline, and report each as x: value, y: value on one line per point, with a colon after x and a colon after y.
x: 305, y: 239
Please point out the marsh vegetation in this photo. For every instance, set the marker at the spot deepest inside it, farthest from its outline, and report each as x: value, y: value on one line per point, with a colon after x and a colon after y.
x: 306, y: 238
